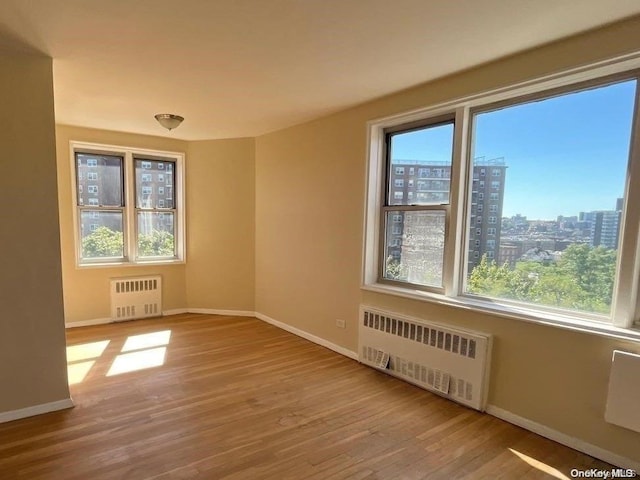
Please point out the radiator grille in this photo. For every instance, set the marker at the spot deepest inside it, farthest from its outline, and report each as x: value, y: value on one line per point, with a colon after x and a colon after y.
x: 137, y: 297
x: 443, y: 359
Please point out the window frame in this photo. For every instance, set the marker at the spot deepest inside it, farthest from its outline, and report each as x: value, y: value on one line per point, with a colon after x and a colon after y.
x: 626, y: 301
x: 129, y: 212
x: 387, y: 206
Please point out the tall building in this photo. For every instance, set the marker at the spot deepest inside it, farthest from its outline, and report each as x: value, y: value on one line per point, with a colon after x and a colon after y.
x: 603, y: 226
x: 414, y: 181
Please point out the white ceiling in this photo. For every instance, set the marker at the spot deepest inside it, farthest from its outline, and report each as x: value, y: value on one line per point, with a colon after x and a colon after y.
x: 239, y: 68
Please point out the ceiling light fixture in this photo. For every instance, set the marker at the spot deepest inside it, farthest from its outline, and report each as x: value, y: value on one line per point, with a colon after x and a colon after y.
x: 169, y: 120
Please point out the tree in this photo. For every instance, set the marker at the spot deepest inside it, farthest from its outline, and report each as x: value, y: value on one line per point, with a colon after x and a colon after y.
x: 102, y: 242
x: 158, y: 243
x: 581, y: 280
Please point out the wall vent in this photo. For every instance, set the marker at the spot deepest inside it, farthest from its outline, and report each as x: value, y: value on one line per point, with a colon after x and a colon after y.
x: 446, y: 360
x: 136, y: 297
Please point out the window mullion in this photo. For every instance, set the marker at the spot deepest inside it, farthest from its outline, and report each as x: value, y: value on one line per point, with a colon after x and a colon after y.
x: 626, y: 301
x: 455, y: 253
x: 131, y: 227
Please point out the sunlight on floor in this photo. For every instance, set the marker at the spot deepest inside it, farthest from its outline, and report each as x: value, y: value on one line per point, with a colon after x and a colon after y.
x: 80, y: 359
x: 131, y: 362
x: 139, y: 352
x: 147, y: 340
x: 543, y: 467
x: 86, y: 351
x: 76, y: 372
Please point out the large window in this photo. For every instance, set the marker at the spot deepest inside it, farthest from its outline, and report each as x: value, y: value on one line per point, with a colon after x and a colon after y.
x: 416, y: 225
x: 526, y: 202
x: 129, y: 205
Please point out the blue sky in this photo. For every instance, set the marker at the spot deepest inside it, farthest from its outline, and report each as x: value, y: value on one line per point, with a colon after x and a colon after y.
x: 564, y: 155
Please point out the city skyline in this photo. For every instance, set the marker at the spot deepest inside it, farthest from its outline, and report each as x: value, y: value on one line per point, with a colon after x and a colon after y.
x: 578, y: 143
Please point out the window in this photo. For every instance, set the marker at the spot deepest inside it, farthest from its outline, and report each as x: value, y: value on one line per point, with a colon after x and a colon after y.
x: 110, y: 228
x: 398, y: 183
x: 421, y: 258
x: 542, y: 145
x: 399, y: 170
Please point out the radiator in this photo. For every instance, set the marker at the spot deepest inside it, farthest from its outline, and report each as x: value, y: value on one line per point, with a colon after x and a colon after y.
x: 449, y: 361
x: 136, y: 297
x: 623, y: 399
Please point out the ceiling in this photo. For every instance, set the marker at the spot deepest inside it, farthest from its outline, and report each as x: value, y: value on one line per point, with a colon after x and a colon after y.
x: 239, y: 68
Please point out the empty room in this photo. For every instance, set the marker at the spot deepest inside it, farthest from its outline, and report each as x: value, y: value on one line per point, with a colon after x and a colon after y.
x: 320, y: 239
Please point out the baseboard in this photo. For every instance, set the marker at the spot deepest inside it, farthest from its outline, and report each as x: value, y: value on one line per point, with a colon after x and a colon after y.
x: 213, y: 311
x: 88, y: 323
x: 36, y: 410
x: 175, y: 311
x: 308, y: 336
x: 571, y: 442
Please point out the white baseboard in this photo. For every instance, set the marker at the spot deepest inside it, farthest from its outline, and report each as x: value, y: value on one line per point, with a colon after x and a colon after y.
x: 35, y: 410
x: 175, y: 311
x: 88, y: 323
x: 308, y: 336
x: 213, y: 311
x: 571, y: 442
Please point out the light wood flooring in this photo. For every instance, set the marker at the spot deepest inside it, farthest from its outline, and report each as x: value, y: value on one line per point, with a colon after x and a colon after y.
x: 236, y: 398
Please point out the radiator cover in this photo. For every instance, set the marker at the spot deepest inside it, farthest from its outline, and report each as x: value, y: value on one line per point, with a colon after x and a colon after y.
x: 136, y: 297
x: 446, y: 360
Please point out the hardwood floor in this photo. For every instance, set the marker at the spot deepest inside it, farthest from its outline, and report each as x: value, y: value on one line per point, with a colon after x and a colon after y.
x: 236, y: 398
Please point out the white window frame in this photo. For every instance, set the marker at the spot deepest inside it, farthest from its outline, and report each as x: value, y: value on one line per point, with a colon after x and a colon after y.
x: 626, y: 301
x: 129, y: 211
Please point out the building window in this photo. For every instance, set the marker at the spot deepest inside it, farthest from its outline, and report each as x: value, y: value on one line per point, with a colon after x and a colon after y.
x: 398, y: 183
x: 555, y: 178
x: 114, y: 231
x: 399, y: 170
x: 424, y: 222
x: 481, y: 196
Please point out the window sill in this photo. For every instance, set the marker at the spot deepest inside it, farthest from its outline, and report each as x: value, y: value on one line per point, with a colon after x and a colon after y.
x: 151, y: 263
x: 513, y: 312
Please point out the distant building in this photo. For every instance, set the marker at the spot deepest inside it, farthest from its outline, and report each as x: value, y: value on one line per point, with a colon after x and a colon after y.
x: 603, y: 225
x: 413, y: 181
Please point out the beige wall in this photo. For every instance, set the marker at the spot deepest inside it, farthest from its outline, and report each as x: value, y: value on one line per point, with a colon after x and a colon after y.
x: 86, y: 290
x: 309, y: 216
x: 32, y: 343
x: 220, y: 221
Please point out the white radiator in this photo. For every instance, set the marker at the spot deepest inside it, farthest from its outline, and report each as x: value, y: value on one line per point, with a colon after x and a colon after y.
x: 445, y: 360
x: 136, y: 297
x: 623, y: 400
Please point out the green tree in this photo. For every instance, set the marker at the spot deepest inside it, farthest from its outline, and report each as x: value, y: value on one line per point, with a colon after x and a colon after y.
x: 158, y: 243
x: 102, y: 242
x: 582, y: 279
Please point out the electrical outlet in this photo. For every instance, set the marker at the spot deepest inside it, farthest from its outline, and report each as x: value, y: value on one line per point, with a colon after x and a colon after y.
x: 341, y: 323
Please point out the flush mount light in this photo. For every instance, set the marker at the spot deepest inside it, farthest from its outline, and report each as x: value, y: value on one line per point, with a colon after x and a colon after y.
x: 169, y: 120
